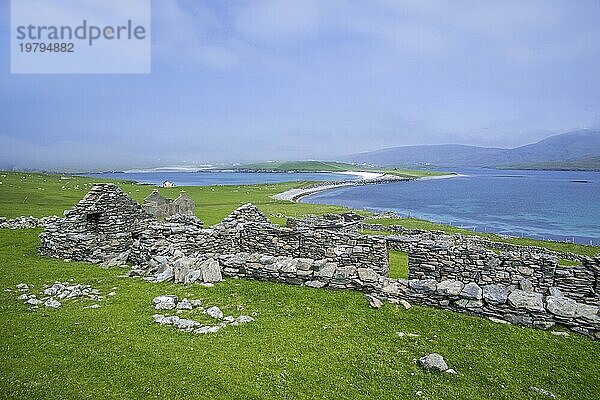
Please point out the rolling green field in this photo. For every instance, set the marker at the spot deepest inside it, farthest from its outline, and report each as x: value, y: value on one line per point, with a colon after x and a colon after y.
x: 305, y: 343
x: 333, y: 166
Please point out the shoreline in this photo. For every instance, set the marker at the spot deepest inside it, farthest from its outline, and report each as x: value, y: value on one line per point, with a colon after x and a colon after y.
x: 367, y: 178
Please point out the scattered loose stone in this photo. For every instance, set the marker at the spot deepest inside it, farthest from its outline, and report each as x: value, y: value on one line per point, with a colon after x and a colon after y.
x: 214, y: 312
x: 433, y: 361
x: 34, y: 302
x: 404, y: 304
x: 166, y: 302
x: 184, y: 304
x: 450, y: 371
x: 51, y: 303
x: 22, y: 286
x: 242, y: 319
x: 374, y: 302
x: 542, y: 391
x: 92, y: 306
x: 498, y: 320
x: 560, y: 333
x: 400, y: 334
x: 23, y: 297
x: 112, y: 294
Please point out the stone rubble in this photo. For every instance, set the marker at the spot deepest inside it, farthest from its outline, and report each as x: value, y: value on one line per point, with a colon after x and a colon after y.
x: 517, y: 284
x: 27, y: 222
x: 63, y: 291
x: 170, y: 302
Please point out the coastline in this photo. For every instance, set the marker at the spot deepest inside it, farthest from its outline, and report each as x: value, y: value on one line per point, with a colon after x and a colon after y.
x: 367, y: 178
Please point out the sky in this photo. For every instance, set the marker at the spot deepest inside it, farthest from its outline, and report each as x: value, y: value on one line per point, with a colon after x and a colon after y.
x: 313, y: 79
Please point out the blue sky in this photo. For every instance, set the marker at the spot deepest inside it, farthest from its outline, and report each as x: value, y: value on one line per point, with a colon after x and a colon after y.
x: 272, y: 80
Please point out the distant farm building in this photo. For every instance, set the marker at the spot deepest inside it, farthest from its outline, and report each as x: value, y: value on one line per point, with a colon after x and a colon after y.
x: 161, y: 207
x: 168, y: 184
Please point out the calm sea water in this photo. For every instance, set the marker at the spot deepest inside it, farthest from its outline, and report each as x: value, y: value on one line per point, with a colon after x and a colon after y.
x: 221, y: 178
x: 539, y: 204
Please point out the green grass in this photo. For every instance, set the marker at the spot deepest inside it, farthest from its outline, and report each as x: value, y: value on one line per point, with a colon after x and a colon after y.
x: 305, y: 343
x: 333, y: 166
x: 568, y: 263
x: 300, y: 166
x: 414, y: 223
x: 398, y: 264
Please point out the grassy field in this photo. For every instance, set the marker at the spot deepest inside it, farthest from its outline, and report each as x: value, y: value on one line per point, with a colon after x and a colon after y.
x: 305, y: 343
x: 332, y: 166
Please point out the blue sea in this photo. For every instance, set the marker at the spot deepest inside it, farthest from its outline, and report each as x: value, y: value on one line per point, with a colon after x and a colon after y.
x: 557, y: 205
x: 207, y: 178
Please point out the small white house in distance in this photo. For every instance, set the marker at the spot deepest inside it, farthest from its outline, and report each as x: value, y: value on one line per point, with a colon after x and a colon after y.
x: 168, y: 184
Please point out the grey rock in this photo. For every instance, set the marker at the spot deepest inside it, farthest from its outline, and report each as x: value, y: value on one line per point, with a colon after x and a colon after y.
x: 186, y: 324
x: 498, y: 321
x: 166, y: 302
x: 526, y: 285
x: 374, y: 302
x: 425, y: 285
x: 560, y: 333
x: 542, y: 391
x: 495, y: 294
x: 166, y: 275
x: 526, y: 300
x: 449, y: 288
x: 22, y: 286
x: 367, y: 275
x: 404, y: 304
x: 555, y: 292
x: 207, y: 329
x: 472, y: 291
x: 184, y: 304
x: 242, y: 319
x: 214, y: 312
x: 211, y: 271
x: 33, y: 302
x: 51, y: 303
x: 23, y: 297
x: 315, y: 284
x: 588, y: 312
x: 561, y: 306
x: 433, y: 361
x: 195, y: 303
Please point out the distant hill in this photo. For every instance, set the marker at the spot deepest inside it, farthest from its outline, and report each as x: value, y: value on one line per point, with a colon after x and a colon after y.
x: 586, y: 164
x: 567, y: 147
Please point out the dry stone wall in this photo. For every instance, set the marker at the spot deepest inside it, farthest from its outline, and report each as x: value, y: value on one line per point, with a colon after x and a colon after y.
x: 453, y: 272
x: 102, y: 224
x: 498, y: 301
x: 247, y: 230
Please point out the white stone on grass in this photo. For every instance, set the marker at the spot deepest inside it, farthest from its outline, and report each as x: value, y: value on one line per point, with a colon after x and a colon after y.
x: 434, y: 362
x: 214, y: 312
x: 166, y: 302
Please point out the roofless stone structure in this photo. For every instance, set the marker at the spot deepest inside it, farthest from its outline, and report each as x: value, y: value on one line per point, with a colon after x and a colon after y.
x: 103, y: 223
x: 161, y: 207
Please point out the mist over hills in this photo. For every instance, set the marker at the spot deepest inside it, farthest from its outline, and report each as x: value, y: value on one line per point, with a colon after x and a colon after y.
x: 571, y: 147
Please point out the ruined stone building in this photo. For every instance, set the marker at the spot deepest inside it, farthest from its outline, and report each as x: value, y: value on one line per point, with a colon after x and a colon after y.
x: 161, y: 207
x: 104, y: 222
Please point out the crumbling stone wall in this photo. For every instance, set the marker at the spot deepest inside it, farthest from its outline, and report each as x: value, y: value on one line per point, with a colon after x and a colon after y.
x: 462, y: 261
x: 103, y: 223
x: 452, y: 272
x: 161, y: 207
x: 247, y: 230
x: 503, y: 302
